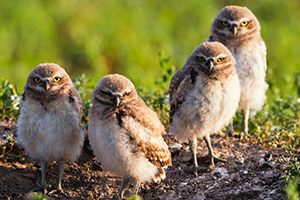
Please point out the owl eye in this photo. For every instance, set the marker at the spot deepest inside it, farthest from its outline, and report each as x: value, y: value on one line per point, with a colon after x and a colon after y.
x: 221, y: 59
x: 56, y: 79
x: 201, y: 58
x: 106, y: 92
x: 245, y: 23
x: 37, y: 79
x: 225, y: 23
x: 126, y: 94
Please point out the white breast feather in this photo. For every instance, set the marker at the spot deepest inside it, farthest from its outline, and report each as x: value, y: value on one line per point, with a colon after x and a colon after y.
x: 207, y: 108
x: 251, y: 67
x: 112, y: 147
x: 53, y: 134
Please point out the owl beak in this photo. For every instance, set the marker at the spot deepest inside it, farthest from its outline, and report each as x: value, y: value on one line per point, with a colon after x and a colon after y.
x: 117, y: 100
x: 210, y: 64
x: 234, y: 29
x: 46, y: 85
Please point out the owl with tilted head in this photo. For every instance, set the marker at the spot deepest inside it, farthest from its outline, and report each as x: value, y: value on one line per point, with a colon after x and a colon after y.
x: 204, y: 96
x: 126, y: 135
x: 49, y: 124
x: 239, y: 30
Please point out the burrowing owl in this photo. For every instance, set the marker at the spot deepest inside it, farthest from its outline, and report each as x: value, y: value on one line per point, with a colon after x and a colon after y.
x: 204, y: 96
x: 125, y: 135
x: 239, y: 30
x: 49, y: 124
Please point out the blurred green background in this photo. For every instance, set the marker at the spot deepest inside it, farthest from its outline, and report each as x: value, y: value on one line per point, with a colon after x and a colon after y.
x: 126, y: 36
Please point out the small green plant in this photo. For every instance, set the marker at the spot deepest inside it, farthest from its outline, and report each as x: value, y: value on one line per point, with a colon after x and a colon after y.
x: 167, y: 71
x: 87, y: 166
x: 84, y: 87
x: 9, y: 104
x: 134, y: 197
x: 11, y: 141
x: 293, y: 172
x: 8, y: 145
x: 158, y: 100
x: 277, y: 124
x: 39, y: 196
x: 292, y: 189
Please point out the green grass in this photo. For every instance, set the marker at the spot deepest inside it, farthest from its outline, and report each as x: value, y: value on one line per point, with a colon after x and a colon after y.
x: 147, y: 41
x: 124, y: 36
x: 9, y: 104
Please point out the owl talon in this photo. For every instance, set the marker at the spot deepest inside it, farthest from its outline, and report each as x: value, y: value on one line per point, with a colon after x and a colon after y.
x: 215, y: 159
x: 117, y: 198
x: 195, y: 170
x: 40, y: 188
x: 231, y: 133
x: 58, y: 192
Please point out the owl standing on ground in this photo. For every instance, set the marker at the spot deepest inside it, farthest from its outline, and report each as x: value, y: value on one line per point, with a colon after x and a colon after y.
x: 204, y: 96
x: 125, y: 135
x: 239, y: 30
x: 49, y: 124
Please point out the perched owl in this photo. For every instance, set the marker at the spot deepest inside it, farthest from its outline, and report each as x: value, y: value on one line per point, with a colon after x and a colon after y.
x: 204, y: 96
x: 49, y: 124
x: 125, y: 135
x: 239, y: 30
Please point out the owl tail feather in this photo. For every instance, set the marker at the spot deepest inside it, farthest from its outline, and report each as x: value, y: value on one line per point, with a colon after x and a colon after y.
x: 160, y: 175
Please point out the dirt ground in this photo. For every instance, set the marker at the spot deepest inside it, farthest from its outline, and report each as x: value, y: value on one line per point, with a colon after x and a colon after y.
x: 252, y: 172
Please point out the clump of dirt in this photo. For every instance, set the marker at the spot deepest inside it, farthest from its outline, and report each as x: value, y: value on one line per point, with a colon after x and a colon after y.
x: 252, y: 172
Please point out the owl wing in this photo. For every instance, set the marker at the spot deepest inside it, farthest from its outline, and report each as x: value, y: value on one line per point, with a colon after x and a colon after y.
x: 181, y: 83
x: 263, y: 52
x: 147, y: 139
x: 75, y: 100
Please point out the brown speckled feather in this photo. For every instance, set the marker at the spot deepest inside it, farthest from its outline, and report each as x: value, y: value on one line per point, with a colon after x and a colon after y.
x: 181, y: 83
x: 155, y: 149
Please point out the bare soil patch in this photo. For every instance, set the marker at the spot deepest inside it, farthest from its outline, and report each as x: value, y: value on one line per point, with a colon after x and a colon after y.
x: 252, y: 172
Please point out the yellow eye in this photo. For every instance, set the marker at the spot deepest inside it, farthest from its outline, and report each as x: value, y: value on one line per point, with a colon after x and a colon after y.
x: 37, y: 79
x: 126, y: 94
x: 221, y: 59
x: 225, y: 23
x: 56, y: 79
x: 245, y: 23
x: 201, y: 58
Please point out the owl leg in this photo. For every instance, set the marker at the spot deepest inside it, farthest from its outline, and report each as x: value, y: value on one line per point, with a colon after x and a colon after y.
x: 136, y: 187
x: 245, y: 120
x: 212, y: 156
x: 43, y: 185
x: 193, y: 148
x: 60, y: 170
x: 230, y: 130
x: 123, y: 186
x: 60, y: 167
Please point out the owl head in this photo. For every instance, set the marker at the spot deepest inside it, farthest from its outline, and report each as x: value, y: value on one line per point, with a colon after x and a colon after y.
x: 114, y: 90
x: 212, y: 58
x: 235, y: 22
x: 47, y: 80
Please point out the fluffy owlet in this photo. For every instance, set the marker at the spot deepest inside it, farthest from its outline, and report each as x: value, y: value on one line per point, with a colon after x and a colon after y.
x: 239, y: 30
x: 49, y: 124
x: 204, y: 96
x: 125, y: 135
